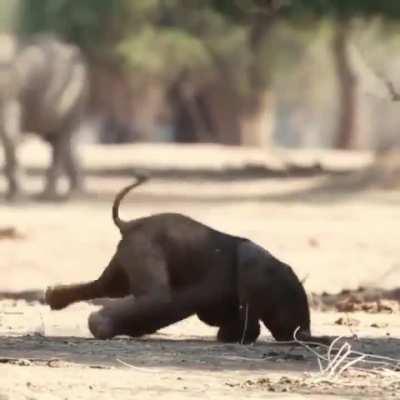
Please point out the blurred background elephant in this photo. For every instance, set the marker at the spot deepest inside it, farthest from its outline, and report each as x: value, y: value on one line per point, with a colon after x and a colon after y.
x: 44, y: 88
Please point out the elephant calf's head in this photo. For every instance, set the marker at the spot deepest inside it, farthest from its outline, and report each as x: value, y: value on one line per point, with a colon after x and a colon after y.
x: 273, y: 292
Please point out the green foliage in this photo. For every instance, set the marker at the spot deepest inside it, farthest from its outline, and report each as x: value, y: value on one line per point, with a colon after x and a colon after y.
x: 80, y: 21
x: 165, y: 38
x: 343, y: 9
x: 158, y: 39
x: 161, y: 39
x: 7, y: 14
x: 163, y: 53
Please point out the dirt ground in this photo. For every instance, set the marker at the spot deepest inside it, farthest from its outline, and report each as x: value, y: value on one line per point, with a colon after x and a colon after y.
x: 334, y: 239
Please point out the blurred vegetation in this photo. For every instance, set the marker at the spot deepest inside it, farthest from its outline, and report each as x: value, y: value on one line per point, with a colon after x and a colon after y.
x: 159, y: 38
x: 201, y: 54
x: 342, y: 14
x: 88, y: 23
x: 213, y: 69
x: 343, y: 9
x: 8, y: 12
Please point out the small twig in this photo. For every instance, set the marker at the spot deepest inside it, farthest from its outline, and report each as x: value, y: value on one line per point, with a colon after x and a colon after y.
x: 340, y: 356
x: 349, y: 326
x: 346, y: 358
x: 395, y: 95
x: 379, y: 357
x: 350, y: 363
x: 303, y: 281
x: 307, y: 346
x: 332, y: 346
x: 5, y: 360
x: 246, y: 321
x: 144, y: 370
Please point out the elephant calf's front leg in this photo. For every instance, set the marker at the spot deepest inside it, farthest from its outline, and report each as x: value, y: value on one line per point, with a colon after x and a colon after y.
x: 244, y: 328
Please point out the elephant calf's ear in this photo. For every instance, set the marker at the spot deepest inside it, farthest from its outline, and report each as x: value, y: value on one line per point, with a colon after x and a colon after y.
x: 251, y: 271
x: 273, y: 292
x: 258, y: 281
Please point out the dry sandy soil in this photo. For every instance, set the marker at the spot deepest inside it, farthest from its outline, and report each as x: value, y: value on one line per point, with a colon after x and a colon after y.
x: 334, y: 238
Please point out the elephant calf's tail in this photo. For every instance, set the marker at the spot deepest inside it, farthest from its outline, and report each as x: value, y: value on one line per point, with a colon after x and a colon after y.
x: 118, y: 198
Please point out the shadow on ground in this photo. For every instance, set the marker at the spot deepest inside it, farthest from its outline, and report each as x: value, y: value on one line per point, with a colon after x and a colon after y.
x: 196, y: 354
x: 322, y: 190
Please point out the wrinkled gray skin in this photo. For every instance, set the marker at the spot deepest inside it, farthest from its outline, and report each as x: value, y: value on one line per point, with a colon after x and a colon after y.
x: 43, y: 89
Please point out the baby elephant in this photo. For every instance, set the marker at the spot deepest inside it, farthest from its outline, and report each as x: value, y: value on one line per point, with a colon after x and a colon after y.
x: 176, y: 267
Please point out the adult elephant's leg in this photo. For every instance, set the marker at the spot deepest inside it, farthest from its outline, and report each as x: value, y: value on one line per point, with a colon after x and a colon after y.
x: 58, y: 144
x: 72, y: 167
x: 10, y: 119
x: 73, y: 101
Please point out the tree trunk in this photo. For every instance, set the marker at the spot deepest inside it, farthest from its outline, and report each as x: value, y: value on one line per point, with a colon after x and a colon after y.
x: 257, y: 122
x: 222, y: 110
x: 347, y: 85
x: 218, y: 114
x: 190, y: 118
x: 257, y: 110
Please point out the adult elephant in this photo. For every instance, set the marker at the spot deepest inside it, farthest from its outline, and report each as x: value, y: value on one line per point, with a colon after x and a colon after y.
x: 44, y: 89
